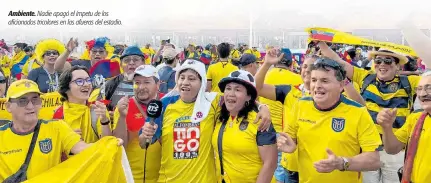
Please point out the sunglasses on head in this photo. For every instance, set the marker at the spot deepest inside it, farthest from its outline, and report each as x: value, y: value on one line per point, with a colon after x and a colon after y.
x: 387, y: 61
x: 328, y: 62
x: 81, y: 82
x: 23, y: 102
x: 49, y: 53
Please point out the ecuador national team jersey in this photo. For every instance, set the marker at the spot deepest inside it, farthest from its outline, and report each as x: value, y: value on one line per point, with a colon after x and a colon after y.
x: 240, y: 152
x: 389, y: 94
x: 135, y: 154
x: 278, y: 76
x: 345, y: 134
x: 288, y: 95
x: 218, y: 71
x: 421, y: 169
x: 187, y: 152
x: 234, y: 54
x: 55, y: 138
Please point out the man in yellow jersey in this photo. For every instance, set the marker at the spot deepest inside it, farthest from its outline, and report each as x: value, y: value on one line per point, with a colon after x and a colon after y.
x: 149, y: 52
x: 221, y: 69
x: 414, y: 135
x: 256, y: 53
x: 383, y: 88
x: 130, y: 117
x: 246, y: 49
x: 248, y: 62
x: 234, y: 54
x: 32, y: 62
x: 287, y: 87
x: 51, y: 138
x: 332, y: 144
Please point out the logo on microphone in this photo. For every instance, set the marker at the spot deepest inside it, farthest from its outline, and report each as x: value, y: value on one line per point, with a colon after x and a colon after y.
x: 152, y: 108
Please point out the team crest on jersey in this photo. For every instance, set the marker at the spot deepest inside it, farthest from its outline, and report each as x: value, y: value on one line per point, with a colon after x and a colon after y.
x: 338, y: 124
x: 393, y: 87
x: 45, y: 146
x: 243, y: 125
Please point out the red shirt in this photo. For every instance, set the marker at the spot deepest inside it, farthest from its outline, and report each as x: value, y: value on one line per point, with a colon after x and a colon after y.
x: 135, y: 119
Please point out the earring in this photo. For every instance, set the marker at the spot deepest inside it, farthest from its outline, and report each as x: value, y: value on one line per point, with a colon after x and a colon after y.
x: 246, y: 103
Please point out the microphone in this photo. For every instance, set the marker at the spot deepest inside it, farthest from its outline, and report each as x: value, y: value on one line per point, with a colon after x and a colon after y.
x: 154, y: 110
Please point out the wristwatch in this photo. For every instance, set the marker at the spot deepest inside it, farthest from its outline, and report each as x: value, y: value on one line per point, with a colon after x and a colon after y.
x: 346, y: 164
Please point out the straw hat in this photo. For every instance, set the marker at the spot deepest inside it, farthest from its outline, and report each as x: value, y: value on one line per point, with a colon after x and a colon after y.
x: 402, y: 59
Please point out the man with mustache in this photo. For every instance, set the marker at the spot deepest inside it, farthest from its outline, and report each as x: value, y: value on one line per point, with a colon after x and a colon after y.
x: 414, y: 136
x: 383, y: 88
x: 129, y: 117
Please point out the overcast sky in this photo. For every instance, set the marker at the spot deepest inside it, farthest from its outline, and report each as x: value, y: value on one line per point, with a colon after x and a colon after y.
x: 226, y: 14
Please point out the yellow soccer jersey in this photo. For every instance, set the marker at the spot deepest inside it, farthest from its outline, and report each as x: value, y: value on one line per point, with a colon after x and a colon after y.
x: 136, y: 155
x: 234, y: 54
x: 389, y: 94
x: 5, y: 60
x: 249, y: 51
x: 241, y: 158
x: 421, y: 170
x: 288, y: 95
x: 187, y: 152
x: 55, y: 138
x: 257, y: 54
x: 277, y: 76
x: 149, y: 52
x: 345, y: 134
x: 218, y: 71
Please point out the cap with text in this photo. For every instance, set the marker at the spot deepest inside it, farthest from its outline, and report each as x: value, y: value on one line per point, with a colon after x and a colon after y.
x: 21, y: 87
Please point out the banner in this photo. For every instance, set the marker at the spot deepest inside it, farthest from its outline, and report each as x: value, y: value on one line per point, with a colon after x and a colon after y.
x: 334, y: 36
x: 50, y: 102
x: 104, y: 161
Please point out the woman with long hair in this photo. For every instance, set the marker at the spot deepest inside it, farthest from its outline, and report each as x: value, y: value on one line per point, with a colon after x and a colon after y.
x: 185, y: 128
x: 243, y: 153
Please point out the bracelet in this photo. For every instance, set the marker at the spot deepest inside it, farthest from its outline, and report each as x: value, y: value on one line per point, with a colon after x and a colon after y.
x: 105, y: 123
x: 258, y: 108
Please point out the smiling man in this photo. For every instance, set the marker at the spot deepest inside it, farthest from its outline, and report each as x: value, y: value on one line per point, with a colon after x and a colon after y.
x: 350, y: 141
x: 51, y: 138
x: 383, y: 88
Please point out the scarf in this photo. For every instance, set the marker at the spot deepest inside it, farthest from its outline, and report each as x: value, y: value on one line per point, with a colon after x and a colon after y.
x: 78, y: 116
x: 204, y: 99
x: 412, y: 148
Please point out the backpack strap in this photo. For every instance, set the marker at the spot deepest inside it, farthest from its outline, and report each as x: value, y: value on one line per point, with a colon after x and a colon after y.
x: 370, y: 78
x: 220, y: 149
x: 404, y: 80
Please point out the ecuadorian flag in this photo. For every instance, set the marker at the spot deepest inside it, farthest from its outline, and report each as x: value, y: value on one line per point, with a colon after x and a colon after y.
x: 206, y: 58
x: 105, y: 68
x: 322, y: 36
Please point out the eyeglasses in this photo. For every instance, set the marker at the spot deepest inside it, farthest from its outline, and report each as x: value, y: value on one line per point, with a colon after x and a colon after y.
x: 134, y: 59
x: 23, y: 102
x: 98, y: 51
x: 426, y: 88
x: 81, y: 82
x: 49, y: 53
x: 387, y: 61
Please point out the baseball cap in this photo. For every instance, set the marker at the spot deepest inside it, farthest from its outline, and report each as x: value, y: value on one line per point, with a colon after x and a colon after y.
x: 247, y: 59
x: 169, y: 53
x: 147, y: 71
x: 22, y: 87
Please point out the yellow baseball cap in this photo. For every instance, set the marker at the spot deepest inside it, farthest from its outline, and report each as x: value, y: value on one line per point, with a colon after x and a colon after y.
x: 22, y: 87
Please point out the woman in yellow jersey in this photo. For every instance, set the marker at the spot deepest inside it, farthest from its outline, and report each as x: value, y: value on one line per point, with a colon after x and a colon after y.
x: 186, y: 126
x: 243, y: 154
x: 92, y: 122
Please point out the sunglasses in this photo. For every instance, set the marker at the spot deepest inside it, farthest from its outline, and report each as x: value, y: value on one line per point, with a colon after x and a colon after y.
x: 49, y: 53
x: 23, y: 102
x: 387, y: 61
x: 98, y: 51
x: 133, y: 59
x: 81, y: 82
x: 327, y: 62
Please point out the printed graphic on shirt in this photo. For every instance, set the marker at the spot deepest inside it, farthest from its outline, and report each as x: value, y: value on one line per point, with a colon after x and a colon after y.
x: 186, y: 140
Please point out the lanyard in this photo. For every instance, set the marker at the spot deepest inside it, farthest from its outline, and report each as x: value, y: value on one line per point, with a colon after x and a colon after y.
x: 55, y: 86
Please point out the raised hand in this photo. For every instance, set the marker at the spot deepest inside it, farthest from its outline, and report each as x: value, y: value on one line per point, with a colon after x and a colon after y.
x: 386, y: 117
x: 72, y: 44
x: 123, y: 105
x: 100, y: 110
x: 271, y: 56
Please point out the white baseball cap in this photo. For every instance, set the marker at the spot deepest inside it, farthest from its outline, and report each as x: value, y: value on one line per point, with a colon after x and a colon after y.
x: 147, y: 71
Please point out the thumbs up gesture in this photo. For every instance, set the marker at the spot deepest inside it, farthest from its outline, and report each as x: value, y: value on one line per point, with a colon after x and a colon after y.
x: 386, y: 117
x: 333, y: 162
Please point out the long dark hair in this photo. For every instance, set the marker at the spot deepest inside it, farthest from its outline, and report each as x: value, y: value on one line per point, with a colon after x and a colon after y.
x: 225, y: 114
x: 66, y: 78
